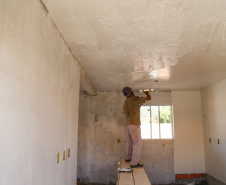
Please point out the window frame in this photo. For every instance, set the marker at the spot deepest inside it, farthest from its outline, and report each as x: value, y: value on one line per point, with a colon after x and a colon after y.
x: 172, y: 121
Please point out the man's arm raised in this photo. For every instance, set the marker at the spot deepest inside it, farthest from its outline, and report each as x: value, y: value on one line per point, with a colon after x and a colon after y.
x: 148, y: 95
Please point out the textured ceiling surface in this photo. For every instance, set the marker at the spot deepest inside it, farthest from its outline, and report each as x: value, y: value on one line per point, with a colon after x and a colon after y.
x: 180, y: 43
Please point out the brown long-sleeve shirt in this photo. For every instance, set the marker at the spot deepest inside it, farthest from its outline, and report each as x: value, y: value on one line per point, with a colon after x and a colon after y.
x: 132, y: 109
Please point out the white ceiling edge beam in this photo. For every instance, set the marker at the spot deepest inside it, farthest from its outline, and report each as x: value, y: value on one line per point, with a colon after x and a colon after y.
x: 86, y: 85
x: 84, y: 81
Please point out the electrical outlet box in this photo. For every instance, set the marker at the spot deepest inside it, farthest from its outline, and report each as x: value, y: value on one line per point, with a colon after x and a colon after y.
x: 64, y: 156
x: 58, y: 158
x: 69, y: 152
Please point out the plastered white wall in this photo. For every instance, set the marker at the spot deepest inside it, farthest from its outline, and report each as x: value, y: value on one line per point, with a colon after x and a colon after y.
x: 214, y: 119
x: 101, y: 123
x: 188, y: 129
x: 39, y: 97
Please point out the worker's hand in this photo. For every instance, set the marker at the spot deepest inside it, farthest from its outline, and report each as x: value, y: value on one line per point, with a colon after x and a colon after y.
x: 148, y: 95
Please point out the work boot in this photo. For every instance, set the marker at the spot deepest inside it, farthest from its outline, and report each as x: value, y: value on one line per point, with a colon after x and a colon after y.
x: 137, y: 166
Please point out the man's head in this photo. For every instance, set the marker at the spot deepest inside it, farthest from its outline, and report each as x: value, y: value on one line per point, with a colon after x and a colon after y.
x: 127, y: 91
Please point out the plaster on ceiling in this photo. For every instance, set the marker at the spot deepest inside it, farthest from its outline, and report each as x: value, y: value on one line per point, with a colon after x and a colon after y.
x: 133, y: 42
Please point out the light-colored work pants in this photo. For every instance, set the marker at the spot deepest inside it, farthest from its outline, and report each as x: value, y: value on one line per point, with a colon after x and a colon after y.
x: 133, y: 143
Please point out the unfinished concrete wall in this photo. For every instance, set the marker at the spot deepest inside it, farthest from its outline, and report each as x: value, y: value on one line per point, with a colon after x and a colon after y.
x: 158, y: 155
x: 214, y: 107
x: 188, y: 129
x: 39, y: 82
x: 101, y: 124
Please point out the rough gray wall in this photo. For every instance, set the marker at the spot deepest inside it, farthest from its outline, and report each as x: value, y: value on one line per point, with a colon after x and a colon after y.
x: 101, y: 123
x: 158, y: 159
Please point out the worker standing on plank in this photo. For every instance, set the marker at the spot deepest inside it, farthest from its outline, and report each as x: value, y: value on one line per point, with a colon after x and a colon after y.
x: 133, y: 133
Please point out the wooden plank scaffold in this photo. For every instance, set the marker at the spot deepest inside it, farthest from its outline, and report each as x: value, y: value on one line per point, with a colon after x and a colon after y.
x: 137, y: 177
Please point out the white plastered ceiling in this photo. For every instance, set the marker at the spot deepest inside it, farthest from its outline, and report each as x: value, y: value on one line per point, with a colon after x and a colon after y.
x: 180, y: 43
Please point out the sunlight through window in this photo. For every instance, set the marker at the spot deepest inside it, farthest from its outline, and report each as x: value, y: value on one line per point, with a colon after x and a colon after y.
x: 156, y: 122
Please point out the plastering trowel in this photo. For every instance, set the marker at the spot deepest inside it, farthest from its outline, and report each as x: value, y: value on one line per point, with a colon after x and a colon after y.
x: 125, y: 170
x: 149, y: 90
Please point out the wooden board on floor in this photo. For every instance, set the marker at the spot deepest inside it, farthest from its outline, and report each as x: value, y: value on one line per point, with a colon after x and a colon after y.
x: 125, y: 178
x: 124, y: 164
x: 138, y: 177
